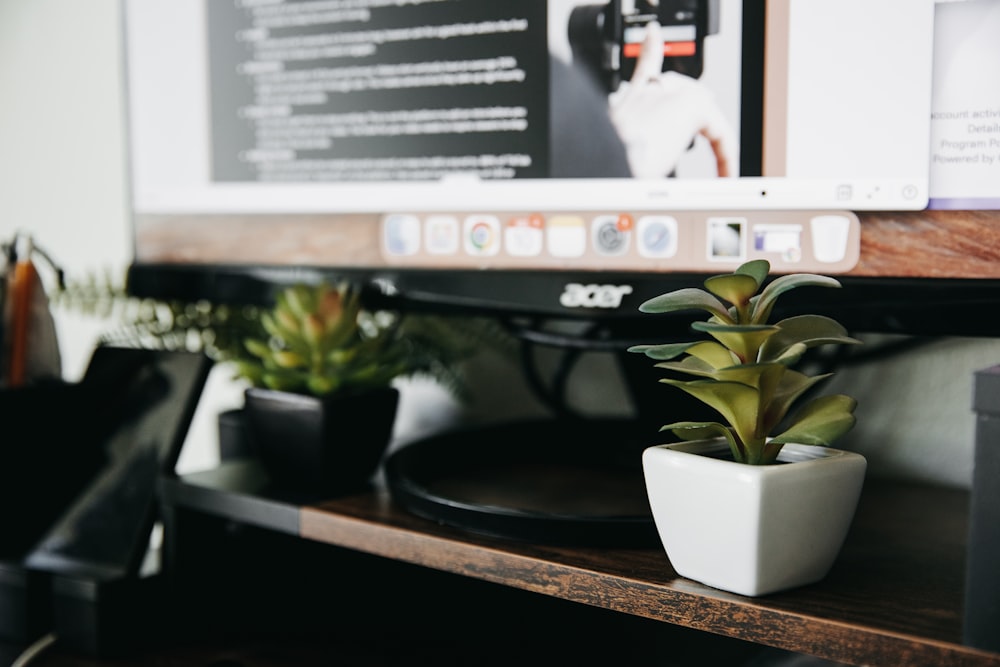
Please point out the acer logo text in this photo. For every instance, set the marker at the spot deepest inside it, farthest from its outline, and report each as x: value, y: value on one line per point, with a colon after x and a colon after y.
x: 576, y: 295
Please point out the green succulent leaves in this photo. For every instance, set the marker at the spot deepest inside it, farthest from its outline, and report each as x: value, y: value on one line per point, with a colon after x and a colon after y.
x: 745, y: 374
x: 320, y: 340
x: 687, y: 299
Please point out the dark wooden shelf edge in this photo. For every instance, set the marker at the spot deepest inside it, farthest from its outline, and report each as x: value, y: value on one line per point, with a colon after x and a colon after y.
x: 832, y: 621
x: 680, y: 602
x: 241, y: 506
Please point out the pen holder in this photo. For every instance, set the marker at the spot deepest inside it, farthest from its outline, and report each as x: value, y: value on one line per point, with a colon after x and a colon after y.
x: 49, y: 453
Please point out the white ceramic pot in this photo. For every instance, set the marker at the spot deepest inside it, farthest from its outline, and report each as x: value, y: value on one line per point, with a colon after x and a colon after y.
x: 749, y: 529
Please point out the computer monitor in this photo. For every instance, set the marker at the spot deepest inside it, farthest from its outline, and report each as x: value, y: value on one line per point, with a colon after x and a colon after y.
x: 557, y: 160
x: 517, y: 158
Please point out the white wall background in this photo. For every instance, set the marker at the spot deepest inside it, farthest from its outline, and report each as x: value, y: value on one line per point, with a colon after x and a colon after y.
x: 62, y: 161
x: 62, y: 180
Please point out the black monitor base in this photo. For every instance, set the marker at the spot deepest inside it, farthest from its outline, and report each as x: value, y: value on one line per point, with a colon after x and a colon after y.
x: 553, y: 481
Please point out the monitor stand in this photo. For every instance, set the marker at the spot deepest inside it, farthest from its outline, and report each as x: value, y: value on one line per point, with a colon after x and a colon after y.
x: 567, y: 479
x: 554, y: 481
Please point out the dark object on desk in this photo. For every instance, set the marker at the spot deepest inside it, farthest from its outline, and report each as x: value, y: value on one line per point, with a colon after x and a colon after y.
x: 25, y: 603
x: 576, y: 482
x: 150, y: 400
x: 141, y: 404
x: 234, y: 435
x: 321, y: 446
x: 982, y: 579
x: 50, y: 450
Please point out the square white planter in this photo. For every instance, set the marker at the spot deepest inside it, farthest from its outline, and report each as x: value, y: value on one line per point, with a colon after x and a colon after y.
x: 750, y: 529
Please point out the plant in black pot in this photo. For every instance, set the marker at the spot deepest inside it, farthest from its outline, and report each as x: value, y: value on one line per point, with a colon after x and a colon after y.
x: 321, y: 408
x: 314, y: 349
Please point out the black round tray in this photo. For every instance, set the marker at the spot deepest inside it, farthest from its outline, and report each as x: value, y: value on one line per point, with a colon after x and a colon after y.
x: 551, y: 481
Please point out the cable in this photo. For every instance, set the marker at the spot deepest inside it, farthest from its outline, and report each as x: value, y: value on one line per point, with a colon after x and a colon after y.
x: 589, y: 337
x: 553, y: 393
x: 605, y: 337
x: 34, y: 650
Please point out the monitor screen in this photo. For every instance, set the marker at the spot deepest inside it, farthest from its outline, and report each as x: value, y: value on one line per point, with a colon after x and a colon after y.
x: 569, y: 158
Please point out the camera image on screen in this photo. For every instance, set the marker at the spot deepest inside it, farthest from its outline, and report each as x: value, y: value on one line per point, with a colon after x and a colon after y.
x: 609, y: 37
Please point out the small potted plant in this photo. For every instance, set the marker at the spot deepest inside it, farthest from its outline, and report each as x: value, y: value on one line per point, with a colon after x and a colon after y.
x: 321, y: 407
x: 315, y: 349
x: 757, y: 502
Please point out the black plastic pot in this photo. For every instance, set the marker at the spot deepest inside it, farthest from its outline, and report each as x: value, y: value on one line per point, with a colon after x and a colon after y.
x: 321, y: 446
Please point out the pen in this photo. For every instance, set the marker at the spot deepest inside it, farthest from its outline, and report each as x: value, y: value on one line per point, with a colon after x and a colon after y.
x: 22, y: 283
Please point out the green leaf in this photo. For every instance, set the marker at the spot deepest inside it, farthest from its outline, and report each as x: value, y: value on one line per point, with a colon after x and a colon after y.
x: 763, y: 377
x: 777, y: 287
x: 810, y: 330
x: 257, y: 348
x: 738, y: 404
x: 690, y: 366
x: 270, y: 325
x: 704, y: 430
x: 698, y: 430
x: 313, y: 329
x: 664, y: 351
x: 744, y: 340
x: 689, y: 298
x: 735, y: 288
x: 821, y: 421
x: 287, y: 322
x: 283, y: 326
x: 287, y: 359
x: 714, y: 354
x: 346, y: 327
x: 297, y: 299
x: 249, y: 370
x: 792, y: 385
x: 789, y: 357
x: 708, y: 351
x: 319, y: 386
x: 755, y: 268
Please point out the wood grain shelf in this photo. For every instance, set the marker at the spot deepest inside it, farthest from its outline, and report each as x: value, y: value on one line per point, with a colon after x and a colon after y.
x: 894, y: 597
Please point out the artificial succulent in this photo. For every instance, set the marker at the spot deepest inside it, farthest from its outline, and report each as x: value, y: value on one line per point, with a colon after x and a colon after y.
x: 318, y: 340
x: 746, y: 373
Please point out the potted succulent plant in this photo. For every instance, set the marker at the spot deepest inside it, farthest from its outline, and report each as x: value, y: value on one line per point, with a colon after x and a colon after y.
x: 737, y: 505
x: 321, y: 406
x: 316, y: 347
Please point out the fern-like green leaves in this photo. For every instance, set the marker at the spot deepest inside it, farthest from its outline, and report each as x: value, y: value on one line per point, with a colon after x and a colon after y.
x: 314, y: 340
